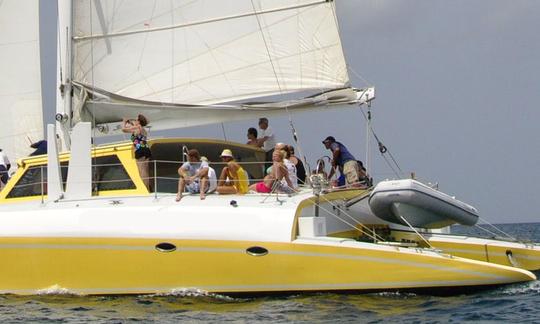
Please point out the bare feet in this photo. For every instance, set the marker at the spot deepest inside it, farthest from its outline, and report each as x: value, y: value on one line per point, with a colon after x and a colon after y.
x: 178, y: 197
x: 203, y: 196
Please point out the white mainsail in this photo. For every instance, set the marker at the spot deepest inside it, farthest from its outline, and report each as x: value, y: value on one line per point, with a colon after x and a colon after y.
x: 224, y: 52
x: 20, y: 81
x: 177, y: 55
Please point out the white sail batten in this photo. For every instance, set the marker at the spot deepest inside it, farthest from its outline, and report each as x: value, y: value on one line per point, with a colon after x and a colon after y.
x: 207, y: 52
x: 20, y: 84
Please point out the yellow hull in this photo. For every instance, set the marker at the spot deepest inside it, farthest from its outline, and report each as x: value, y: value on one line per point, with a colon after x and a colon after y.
x: 525, y: 256
x: 133, y: 266
x: 513, y: 254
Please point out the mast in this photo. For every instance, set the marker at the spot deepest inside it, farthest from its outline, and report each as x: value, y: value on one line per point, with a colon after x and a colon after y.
x: 64, y: 72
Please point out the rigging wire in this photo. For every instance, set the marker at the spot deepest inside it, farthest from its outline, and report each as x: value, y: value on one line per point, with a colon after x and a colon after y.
x: 393, y: 164
x: 496, y: 228
x: 358, y: 75
x: 417, y: 233
x: 223, y: 129
x: 486, y: 230
x: 291, y: 124
x: 374, y: 237
x: 59, y: 45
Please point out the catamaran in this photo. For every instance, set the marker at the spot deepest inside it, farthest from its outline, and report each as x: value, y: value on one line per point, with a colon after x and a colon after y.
x: 81, y: 217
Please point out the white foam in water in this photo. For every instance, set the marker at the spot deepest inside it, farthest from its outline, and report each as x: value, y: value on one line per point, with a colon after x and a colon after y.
x: 193, y: 292
x: 56, y: 290
x: 524, y: 288
x: 395, y: 294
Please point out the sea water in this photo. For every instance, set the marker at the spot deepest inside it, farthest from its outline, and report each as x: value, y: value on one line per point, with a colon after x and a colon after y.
x: 518, y: 303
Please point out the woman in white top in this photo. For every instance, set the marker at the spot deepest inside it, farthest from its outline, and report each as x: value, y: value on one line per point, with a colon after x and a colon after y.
x: 291, y: 168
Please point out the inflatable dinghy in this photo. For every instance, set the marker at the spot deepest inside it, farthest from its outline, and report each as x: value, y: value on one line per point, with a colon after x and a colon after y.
x: 419, y: 205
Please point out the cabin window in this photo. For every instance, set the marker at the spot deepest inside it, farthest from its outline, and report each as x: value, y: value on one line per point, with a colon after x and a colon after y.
x: 34, y: 182
x: 109, y: 174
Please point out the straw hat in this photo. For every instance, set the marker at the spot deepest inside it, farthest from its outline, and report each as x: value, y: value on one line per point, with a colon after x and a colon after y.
x: 227, y: 153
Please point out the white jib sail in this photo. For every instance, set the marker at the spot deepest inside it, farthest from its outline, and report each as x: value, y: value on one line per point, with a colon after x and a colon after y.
x: 207, y: 52
x: 20, y: 77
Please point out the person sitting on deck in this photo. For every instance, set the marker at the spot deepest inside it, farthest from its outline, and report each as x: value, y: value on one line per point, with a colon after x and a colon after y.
x: 233, y: 178
x: 300, y: 169
x: 291, y: 167
x: 252, y: 137
x: 277, y: 173
x: 196, y: 176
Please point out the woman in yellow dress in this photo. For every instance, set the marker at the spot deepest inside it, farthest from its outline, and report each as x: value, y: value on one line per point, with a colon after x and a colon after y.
x: 233, y: 178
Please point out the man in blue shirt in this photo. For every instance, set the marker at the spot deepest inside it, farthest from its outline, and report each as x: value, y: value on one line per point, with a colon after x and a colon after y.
x: 342, y: 158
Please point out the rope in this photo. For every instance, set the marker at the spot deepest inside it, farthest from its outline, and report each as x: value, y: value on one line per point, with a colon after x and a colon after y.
x: 369, y: 84
x: 351, y: 225
x: 376, y: 237
x: 496, y: 228
x: 486, y: 230
x: 420, y: 235
x: 291, y: 124
x: 223, y: 129
x: 383, y: 149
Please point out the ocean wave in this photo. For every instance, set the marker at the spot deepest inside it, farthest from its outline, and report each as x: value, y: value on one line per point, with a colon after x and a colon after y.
x: 57, y: 290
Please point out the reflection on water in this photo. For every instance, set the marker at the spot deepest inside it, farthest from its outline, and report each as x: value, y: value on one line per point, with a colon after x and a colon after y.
x: 513, y: 303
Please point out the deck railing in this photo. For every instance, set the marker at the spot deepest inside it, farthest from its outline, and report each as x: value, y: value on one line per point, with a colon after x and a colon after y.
x: 163, y: 178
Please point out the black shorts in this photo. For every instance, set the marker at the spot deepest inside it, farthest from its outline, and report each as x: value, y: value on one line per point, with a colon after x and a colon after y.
x: 3, y: 174
x: 143, y: 152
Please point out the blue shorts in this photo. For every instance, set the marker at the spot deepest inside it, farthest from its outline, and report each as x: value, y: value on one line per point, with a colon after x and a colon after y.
x: 193, y: 187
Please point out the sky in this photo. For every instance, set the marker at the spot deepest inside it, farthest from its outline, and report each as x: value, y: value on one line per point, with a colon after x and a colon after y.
x: 458, y: 90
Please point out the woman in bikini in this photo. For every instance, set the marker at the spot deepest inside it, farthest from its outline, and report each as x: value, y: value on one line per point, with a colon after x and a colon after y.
x: 140, y: 145
x: 278, y: 172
